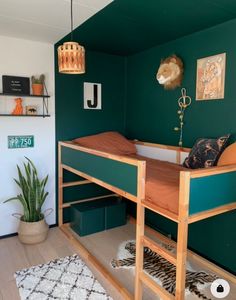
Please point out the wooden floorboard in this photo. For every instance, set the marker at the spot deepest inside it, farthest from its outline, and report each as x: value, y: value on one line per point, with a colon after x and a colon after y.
x: 15, y: 256
x: 104, y: 246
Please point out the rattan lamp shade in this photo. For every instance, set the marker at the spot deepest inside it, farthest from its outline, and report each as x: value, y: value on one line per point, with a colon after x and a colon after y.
x: 71, y: 58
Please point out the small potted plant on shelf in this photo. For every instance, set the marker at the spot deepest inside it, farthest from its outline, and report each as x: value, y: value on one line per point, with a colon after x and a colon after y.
x: 32, y: 227
x: 37, y: 84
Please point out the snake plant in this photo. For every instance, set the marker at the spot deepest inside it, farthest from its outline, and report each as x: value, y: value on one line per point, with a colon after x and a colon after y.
x: 32, y: 194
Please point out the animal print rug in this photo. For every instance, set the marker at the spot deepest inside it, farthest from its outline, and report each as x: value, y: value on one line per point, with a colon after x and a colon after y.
x: 66, y: 278
x: 162, y: 271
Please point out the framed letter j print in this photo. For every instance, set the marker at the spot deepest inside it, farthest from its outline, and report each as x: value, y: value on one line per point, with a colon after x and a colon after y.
x: 92, y: 95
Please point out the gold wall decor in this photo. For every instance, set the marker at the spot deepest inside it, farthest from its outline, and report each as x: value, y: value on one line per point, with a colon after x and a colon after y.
x: 184, y: 101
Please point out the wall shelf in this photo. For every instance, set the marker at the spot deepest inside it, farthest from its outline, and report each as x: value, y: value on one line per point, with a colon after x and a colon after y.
x: 44, y: 105
x: 18, y: 95
x: 10, y: 115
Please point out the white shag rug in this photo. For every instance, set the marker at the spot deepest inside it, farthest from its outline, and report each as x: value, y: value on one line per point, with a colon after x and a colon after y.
x: 66, y: 278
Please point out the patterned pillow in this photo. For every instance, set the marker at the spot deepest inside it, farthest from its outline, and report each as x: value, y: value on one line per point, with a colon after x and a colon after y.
x: 205, y: 152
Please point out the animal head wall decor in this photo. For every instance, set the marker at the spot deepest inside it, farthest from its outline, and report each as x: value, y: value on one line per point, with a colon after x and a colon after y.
x: 170, y: 72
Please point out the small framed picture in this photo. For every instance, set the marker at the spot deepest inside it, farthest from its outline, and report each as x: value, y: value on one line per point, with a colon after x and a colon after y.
x: 211, y: 77
x: 31, y: 110
x: 92, y: 95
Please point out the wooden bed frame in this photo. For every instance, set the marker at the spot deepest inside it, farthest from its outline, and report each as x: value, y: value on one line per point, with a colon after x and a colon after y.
x: 203, y: 193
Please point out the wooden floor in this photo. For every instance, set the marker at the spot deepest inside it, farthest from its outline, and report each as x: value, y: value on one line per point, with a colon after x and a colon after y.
x: 104, y: 247
x: 15, y: 256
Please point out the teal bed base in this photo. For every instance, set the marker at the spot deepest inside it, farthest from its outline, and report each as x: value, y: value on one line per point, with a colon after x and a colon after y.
x: 116, y: 173
x: 212, y: 191
x: 207, y: 189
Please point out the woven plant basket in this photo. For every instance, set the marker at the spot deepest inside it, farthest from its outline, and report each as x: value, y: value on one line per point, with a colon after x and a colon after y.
x: 32, y: 232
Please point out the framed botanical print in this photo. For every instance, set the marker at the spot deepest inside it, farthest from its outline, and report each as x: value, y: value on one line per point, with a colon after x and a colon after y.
x: 210, y: 83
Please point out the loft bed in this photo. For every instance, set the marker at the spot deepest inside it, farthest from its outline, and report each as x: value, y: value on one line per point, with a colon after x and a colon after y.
x: 203, y: 193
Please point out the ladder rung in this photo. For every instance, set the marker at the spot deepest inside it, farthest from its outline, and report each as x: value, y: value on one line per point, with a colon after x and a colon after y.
x: 68, y: 204
x: 155, y: 287
x: 74, y: 183
x: 147, y: 242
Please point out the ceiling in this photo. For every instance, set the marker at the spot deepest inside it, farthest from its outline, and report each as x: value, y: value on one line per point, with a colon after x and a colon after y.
x: 123, y: 27
x: 44, y: 20
x: 128, y: 26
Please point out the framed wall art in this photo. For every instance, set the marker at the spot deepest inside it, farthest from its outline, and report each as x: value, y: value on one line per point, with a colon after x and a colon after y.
x: 15, y: 85
x: 31, y: 110
x: 210, y: 83
x: 92, y: 95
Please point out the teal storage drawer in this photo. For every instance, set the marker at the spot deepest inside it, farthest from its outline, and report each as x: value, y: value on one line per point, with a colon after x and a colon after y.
x: 94, y: 216
x: 115, y: 213
x: 87, y: 218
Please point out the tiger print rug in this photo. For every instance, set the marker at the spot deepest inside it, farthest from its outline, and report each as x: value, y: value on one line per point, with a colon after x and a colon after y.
x: 162, y: 271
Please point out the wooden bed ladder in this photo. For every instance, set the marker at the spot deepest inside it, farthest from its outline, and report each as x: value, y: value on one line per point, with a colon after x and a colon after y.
x: 179, y: 259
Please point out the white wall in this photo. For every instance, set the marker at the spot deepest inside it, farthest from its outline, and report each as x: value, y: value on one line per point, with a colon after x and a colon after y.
x: 25, y: 58
x: 159, y: 153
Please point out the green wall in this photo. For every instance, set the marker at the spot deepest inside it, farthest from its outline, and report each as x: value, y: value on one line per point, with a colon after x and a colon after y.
x: 151, y: 110
x: 135, y: 104
x: 73, y: 121
x: 151, y: 116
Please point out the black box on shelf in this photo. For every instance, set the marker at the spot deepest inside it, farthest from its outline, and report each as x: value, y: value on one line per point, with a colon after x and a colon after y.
x: 15, y: 85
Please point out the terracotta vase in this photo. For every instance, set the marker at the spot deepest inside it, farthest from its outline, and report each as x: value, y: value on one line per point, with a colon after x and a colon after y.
x: 37, y: 89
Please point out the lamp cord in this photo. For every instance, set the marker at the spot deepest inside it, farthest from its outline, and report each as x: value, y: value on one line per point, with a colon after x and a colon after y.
x: 71, y: 18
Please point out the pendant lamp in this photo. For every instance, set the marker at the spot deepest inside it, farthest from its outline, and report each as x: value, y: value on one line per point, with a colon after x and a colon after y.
x: 71, y: 55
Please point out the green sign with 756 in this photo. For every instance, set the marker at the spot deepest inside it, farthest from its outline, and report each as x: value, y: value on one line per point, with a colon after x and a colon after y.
x: 20, y: 141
